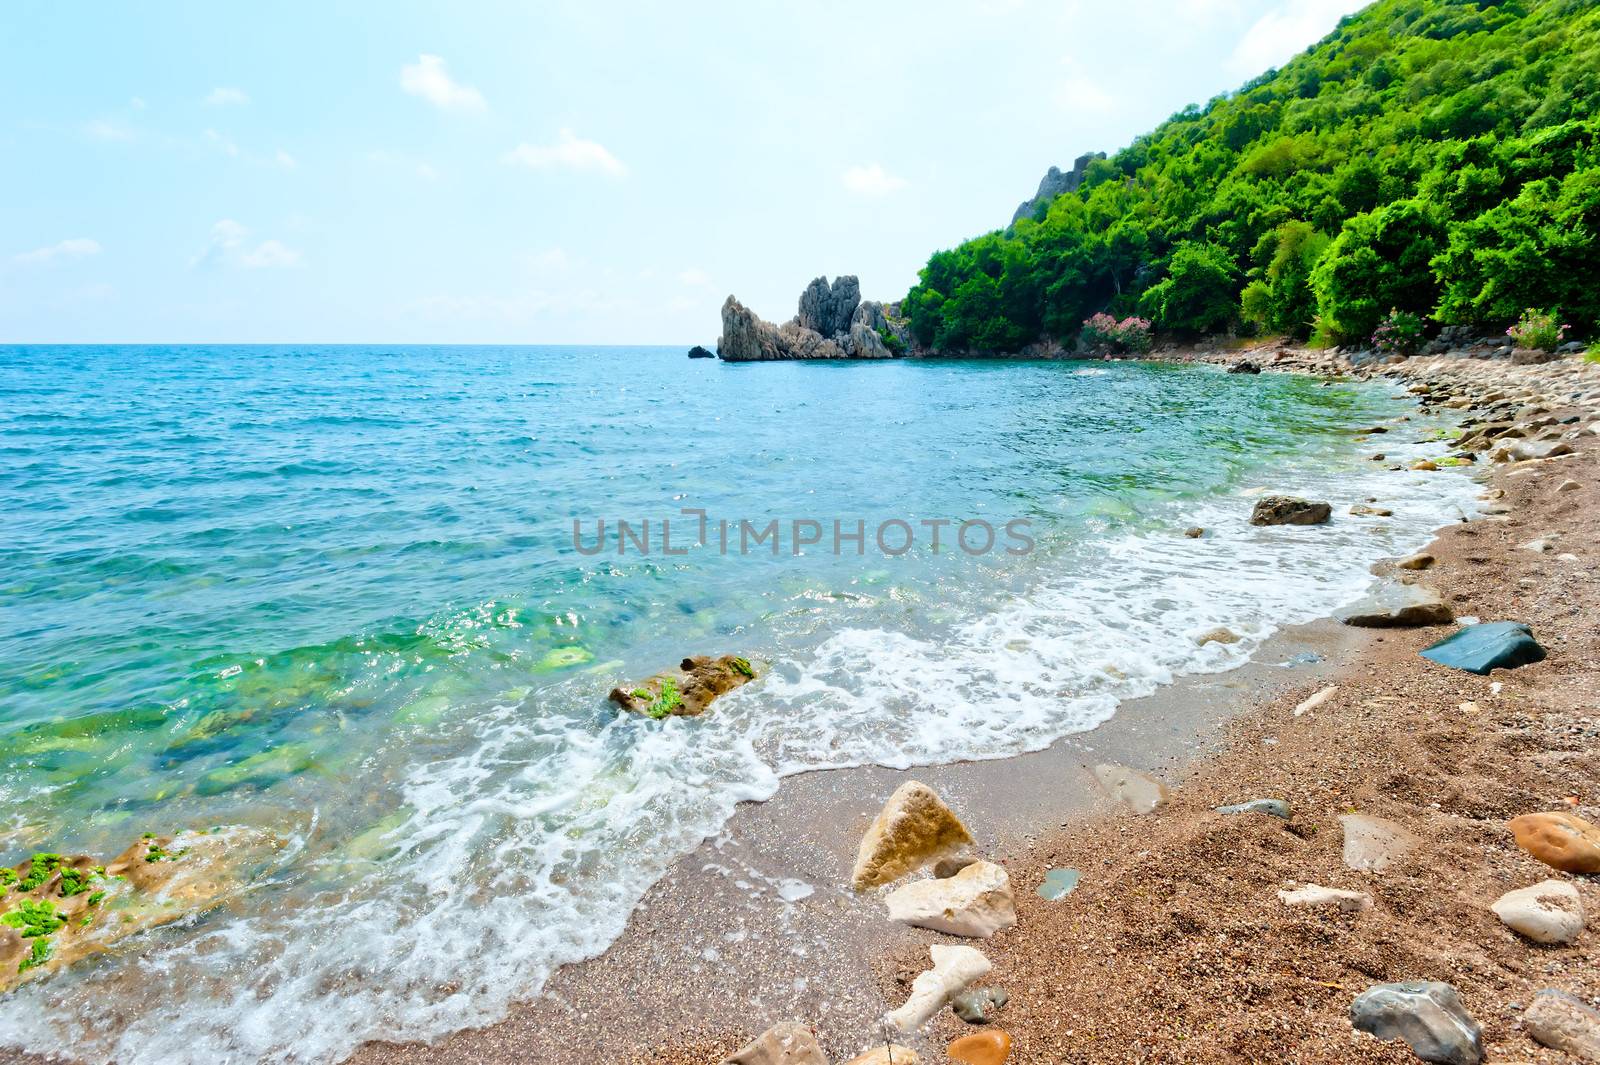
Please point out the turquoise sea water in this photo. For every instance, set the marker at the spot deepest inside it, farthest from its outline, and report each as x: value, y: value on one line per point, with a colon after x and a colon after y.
x: 333, y: 593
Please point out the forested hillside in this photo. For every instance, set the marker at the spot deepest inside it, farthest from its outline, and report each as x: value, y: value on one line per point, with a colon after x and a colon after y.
x: 1433, y: 156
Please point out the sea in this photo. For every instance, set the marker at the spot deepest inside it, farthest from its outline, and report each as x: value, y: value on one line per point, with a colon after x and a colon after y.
x: 370, y: 599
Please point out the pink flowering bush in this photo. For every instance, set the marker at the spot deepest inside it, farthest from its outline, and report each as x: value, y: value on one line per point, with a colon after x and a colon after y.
x: 1399, y: 333
x: 1537, y: 331
x: 1104, y: 335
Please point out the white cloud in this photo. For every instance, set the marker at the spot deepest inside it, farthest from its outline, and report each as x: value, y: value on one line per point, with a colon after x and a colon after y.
x: 226, y: 97
x: 230, y: 246
x: 285, y: 160
x: 75, y: 248
x: 1080, y: 94
x: 428, y: 79
x: 426, y: 172
x: 569, y: 152
x: 1285, y: 31
x: 137, y: 103
x: 694, y: 277
x: 222, y: 143
x: 102, y: 130
x: 871, y: 180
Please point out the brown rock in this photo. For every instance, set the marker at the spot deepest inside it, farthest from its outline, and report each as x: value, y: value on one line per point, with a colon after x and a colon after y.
x: 1560, y: 841
x: 1288, y: 510
x: 1561, y: 1022
x: 1362, y: 510
x: 891, y: 1054
x: 1418, y: 561
x: 686, y: 691
x: 990, y: 1047
x: 1194, y: 533
x: 914, y: 828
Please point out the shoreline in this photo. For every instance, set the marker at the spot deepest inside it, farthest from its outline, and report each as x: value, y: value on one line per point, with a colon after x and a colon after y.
x: 701, y: 969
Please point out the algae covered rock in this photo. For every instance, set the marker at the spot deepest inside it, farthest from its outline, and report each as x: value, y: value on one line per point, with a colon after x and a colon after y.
x: 56, y: 909
x: 686, y: 691
x: 914, y: 828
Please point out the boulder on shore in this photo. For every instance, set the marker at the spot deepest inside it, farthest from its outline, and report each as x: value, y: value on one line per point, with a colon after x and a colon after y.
x: 976, y: 902
x: 914, y: 828
x: 1372, y: 844
x: 1550, y: 912
x: 1395, y: 606
x: 1562, y: 1022
x: 1427, y: 1014
x: 1482, y: 648
x: 953, y: 969
x: 686, y: 691
x: 1289, y: 510
x: 786, y: 1043
x: 1560, y: 840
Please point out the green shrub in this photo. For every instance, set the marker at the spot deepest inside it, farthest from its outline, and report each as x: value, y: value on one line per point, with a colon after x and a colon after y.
x: 1537, y: 330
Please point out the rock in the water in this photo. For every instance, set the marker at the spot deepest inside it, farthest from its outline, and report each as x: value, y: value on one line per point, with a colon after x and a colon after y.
x: 698, y: 352
x: 1244, y: 366
x: 1395, y: 606
x: 1315, y: 895
x: 1372, y: 844
x: 1559, y: 840
x: 1425, y: 465
x: 1288, y: 510
x: 687, y: 690
x: 1139, y: 792
x: 984, y: 1048
x: 1427, y: 1014
x: 1561, y: 1022
x: 953, y: 969
x: 979, y: 1005
x: 892, y: 1054
x: 914, y: 828
x: 1550, y: 912
x: 1481, y: 648
x: 1058, y: 884
x: 1220, y: 634
x: 1270, y: 807
x: 829, y: 309
x: 1194, y: 533
x: 976, y: 902
x: 782, y: 1044
x: 1418, y: 561
x: 1362, y: 510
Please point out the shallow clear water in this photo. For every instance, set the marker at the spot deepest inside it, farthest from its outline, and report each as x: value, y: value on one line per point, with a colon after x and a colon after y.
x: 333, y: 593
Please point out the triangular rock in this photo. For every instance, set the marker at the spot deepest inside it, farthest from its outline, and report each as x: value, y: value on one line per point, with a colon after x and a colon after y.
x: 914, y: 828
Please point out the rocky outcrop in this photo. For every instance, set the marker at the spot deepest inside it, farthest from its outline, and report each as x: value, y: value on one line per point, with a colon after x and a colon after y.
x: 686, y: 691
x: 1055, y: 182
x: 833, y: 323
x: 699, y: 352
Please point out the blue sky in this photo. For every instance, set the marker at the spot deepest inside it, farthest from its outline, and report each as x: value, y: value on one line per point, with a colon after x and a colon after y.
x: 550, y: 172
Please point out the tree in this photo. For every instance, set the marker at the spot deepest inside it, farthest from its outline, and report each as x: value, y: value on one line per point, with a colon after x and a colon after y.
x: 1279, y: 299
x: 1379, y: 262
x: 1200, y: 293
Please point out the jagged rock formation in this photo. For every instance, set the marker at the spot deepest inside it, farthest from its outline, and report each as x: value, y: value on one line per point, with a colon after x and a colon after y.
x: 833, y: 323
x: 1055, y: 183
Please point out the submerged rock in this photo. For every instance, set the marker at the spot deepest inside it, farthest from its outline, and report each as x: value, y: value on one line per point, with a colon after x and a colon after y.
x: 953, y: 969
x: 1139, y: 792
x: 1559, y: 840
x: 1428, y: 1015
x: 979, y: 1005
x: 1481, y: 648
x: 1550, y: 912
x: 1220, y: 634
x: 1395, y: 606
x: 782, y: 1044
x: 976, y: 902
x: 914, y: 828
x: 1289, y: 510
x: 1562, y: 1022
x: 55, y: 910
x: 1244, y: 366
x: 686, y: 691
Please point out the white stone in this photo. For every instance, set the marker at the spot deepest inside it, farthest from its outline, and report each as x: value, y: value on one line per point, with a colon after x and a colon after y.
x: 1316, y: 895
x: 1550, y: 912
x: 1316, y: 700
x: 953, y: 969
x: 976, y: 902
x: 1139, y: 792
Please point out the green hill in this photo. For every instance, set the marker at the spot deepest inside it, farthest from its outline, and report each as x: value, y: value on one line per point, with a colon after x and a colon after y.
x: 1433, y: 156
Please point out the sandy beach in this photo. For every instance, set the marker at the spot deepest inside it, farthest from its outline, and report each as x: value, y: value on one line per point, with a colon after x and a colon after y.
x: 1175, y: 947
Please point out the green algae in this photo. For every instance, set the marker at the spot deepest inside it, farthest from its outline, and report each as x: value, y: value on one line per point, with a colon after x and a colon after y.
x: 43, y: 866
x: 742, y: 665
x: 668, y: 701
x: 564, y: 658
x: 34, y: 919
x: 36, y: 956
x: 259, y: 770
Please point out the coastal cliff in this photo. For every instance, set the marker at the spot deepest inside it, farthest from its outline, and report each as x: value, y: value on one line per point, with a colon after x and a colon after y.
x: 833, y: 322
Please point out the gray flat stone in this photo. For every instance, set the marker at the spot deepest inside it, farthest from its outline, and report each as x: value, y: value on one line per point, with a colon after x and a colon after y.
x: 1427, y: 1014
x: 1395, y: 606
